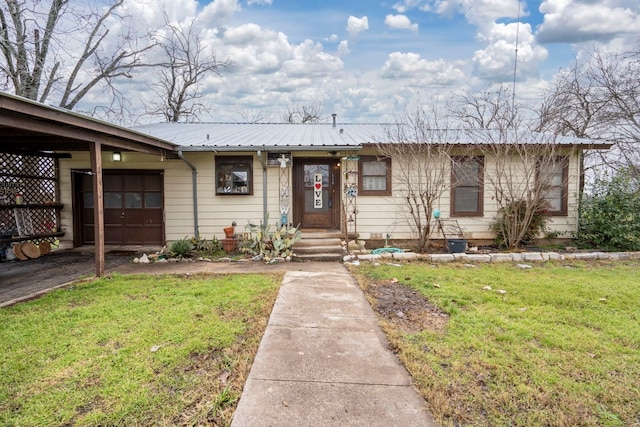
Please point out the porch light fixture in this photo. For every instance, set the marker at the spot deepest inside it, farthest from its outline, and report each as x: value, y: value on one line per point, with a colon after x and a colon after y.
x: 116, y: 156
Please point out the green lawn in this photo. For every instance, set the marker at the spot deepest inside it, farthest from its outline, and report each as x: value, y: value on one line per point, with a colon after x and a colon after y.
x: 133, y: 350
x: 560, y: 348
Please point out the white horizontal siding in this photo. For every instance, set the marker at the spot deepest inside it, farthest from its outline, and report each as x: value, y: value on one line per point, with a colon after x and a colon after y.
x: 381, y: 216
x: 377, y: 216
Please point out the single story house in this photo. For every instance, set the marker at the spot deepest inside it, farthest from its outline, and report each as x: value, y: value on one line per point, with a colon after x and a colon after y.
x: 201, y: 177
x: 318, y: 176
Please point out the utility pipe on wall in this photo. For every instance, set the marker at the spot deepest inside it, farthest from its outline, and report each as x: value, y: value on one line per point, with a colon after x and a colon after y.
x: 264, y: 187
x: 194, y: 178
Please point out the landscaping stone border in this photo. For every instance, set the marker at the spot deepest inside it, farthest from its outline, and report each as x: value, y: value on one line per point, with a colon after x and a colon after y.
x: 497, y: 257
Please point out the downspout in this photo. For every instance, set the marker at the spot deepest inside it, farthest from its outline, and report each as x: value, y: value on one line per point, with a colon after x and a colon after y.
x: 264, y: 187
x: 194, y: 178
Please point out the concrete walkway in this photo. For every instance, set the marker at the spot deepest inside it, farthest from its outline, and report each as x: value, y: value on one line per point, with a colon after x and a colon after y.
x: 324, y: 361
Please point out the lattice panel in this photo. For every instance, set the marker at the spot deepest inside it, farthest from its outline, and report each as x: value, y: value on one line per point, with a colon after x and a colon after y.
x: 34, y: 177
x: 19, y: 164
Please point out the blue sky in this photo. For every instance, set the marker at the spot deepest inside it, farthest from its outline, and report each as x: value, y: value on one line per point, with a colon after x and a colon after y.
x: 366, y: 60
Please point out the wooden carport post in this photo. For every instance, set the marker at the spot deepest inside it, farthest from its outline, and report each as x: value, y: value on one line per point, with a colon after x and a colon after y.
x: 98, y: 211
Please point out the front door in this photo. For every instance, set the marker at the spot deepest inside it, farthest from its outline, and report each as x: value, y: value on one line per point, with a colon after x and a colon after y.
x: 316, y: 199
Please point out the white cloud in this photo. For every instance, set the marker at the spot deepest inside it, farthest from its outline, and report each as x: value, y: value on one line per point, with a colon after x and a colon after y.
x: 282, y: 59
x: 412, y: 66
x: 477, y: 12
x: 572, y: 21
x: 400, y: 22
x: 496, y: 61
x: 343, y: 48
x: 310, y: 60
x: 151, y: 11
x: 218, y: 12
x: 406, y: 5
x: 357, y: 25
x: 254, y: 49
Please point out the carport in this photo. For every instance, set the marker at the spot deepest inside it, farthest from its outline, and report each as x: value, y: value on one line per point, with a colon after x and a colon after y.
x: 36, y: 130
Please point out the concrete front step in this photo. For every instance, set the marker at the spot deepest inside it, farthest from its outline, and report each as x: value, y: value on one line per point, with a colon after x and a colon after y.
x: 321, y: 235
x: 323, y: 257
x: 318, y: 242
x: 319, y: 245
x: 318, y: 249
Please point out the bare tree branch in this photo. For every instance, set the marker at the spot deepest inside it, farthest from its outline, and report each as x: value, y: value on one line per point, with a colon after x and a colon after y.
x: 490, y: 109
x: 598, y: 99
x: 38, y: 71
x: 253, y: 116
x: 421, y: 151
x: 311, y: 113
x: 178, y: 81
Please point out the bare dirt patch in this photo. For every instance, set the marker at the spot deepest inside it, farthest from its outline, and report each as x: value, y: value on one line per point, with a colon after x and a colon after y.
x: 405, y: 308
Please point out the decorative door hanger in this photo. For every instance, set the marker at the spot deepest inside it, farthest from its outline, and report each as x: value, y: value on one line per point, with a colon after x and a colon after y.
x: 317, y: 191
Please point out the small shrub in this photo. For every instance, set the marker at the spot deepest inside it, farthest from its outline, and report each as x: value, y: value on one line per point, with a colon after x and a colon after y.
x: 207, y: 247
x: 181, y: 248
x: 519, y: 223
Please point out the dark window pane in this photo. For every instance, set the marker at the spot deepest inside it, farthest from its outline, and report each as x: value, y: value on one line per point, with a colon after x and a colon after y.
x: 311, y: 170
x: 553, y: 181
x: 467, y: 190
x: 153, y: 200
x: 466, y: 200
x: 233, y: 175
x: 132, y: 200
x: 113, y: 200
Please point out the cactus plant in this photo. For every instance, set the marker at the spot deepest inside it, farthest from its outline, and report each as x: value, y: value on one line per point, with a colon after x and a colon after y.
x: 271, y: 241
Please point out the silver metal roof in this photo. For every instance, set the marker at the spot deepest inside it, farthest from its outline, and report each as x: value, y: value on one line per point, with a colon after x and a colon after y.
x: 306, y: 137
x: 266, y: 136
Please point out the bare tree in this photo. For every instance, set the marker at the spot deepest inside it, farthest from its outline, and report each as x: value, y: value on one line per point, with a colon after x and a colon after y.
x: 619, y: 77
x: 33, y: 40
x: 525, y: 169
x: 421, y: 151
x: 572, y: 107
x: 253, y: 116
x: 178, y: 83
x: 598, y: 99
x: 494, y: 108
x: 311, y: 113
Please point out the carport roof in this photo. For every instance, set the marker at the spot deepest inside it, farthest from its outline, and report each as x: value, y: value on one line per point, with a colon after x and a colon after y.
x: 30, y: 127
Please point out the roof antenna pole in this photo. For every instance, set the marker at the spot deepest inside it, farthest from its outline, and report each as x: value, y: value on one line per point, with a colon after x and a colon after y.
x: 515, y: 69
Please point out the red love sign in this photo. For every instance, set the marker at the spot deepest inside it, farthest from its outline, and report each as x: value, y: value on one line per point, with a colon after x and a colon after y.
x: 318, y: 185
